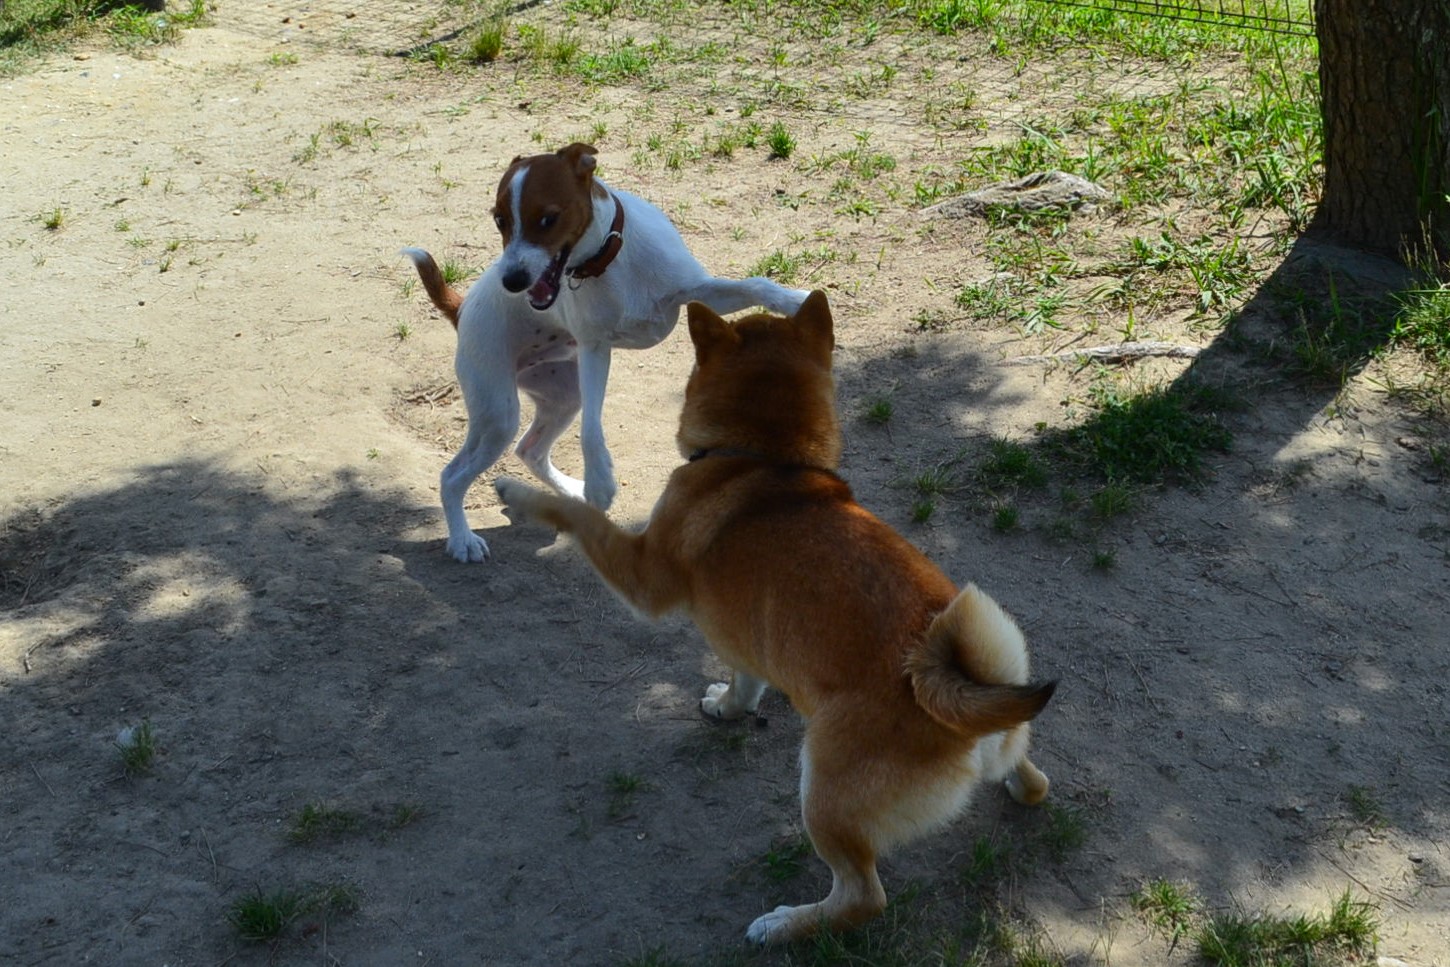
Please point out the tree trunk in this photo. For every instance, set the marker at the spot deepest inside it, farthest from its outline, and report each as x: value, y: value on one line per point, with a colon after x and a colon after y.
x: 1384, y: 76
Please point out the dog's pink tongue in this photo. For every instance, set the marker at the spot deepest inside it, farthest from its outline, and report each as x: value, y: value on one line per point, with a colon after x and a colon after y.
x: 542, y: 292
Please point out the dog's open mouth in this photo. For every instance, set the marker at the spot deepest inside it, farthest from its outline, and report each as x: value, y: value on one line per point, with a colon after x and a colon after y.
x: 546, y: 288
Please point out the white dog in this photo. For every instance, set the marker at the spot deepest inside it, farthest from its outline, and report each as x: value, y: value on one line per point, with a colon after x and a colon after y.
x: 584, y: 268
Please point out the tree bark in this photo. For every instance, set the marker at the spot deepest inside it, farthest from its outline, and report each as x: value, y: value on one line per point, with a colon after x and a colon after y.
x: 1384, y: 76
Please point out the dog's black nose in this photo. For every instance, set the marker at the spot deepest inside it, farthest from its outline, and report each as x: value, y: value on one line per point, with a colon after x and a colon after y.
x: 516, y: 280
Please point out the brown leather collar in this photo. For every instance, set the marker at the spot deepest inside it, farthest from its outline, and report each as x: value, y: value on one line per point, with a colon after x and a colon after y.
x: 613, y: 242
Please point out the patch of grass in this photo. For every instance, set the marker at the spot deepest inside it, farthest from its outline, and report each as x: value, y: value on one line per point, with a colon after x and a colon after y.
x: 1065, y: 832
x: 654, y: 957
x: 486, y: 43
x: 136, y: 745
x: 786, y: 859
x: 53, y: 220
x: 262, y: 917
x: 878, y: 410
x: 1167, y: 906
x: 1011, y: 464
x: 1365, y: 807
x: 922, y: 509
x: 1257, y: 940
x: 1005, y: 518
x: 937, y: 480
x: 265, y: 917
x: 780, y: 141
x: 1422, y: 322
x: 623, y: 788
x: 404, y: 814
x: 991, y: 859
x: 317, y: 821
x: 1111, y: 500
x: 789, y: 268
x: 455, y: 272
x: 1148, y: 437
x: 622, y: 63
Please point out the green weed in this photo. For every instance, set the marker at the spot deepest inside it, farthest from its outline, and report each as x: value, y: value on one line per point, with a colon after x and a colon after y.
x: 780, y: 141
x: 786, y: 859
x: 878, y: 410
x: 1244, y: 940
x: 264, y: 917
x: 1149, y: 437
x: 1005, y: 518
x: 1364, y: 807
x: 486, y: 43
x: 1167, y: 906
x: 623, y: 788
x: 137, y: 747
x: 1011, y: 464
x: 318, y: 821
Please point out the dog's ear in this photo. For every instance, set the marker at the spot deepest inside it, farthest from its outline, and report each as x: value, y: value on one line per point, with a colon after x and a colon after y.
x: 580, y: 158
x: 708, y: 331
x: 813, y: 320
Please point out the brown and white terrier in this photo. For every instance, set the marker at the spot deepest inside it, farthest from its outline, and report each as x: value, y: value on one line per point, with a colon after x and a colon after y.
x: 585, y: 268
x: 912, y: 691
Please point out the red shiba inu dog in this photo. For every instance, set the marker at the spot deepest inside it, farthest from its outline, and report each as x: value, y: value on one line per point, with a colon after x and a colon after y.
x: 913, y: 692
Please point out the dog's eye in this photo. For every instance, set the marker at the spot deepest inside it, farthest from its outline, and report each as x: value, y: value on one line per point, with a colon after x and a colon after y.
x: 498, y: 220
x: 548, y: 221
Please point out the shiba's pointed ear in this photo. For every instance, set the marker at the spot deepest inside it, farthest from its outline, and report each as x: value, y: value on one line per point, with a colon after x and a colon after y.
x: 580, y: 158
x: 813, y: 319
x: 708, y: 331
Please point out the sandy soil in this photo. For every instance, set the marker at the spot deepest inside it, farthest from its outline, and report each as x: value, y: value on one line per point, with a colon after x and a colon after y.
x: 222, y: 419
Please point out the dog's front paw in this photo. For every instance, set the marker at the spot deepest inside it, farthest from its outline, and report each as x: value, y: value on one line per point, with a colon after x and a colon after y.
x: 781, y: 925
x: 718, y: 703
x: 518, y: 498
x: 467, y: 548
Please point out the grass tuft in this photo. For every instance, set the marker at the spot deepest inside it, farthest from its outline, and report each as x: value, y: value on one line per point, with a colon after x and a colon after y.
x: 1350, y: 929
x: 1151, y: 437
x: 317, y: 821
x: 137, y: 747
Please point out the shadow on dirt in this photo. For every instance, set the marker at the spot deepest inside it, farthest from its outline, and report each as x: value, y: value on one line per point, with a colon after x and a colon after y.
x: 1221, y: 695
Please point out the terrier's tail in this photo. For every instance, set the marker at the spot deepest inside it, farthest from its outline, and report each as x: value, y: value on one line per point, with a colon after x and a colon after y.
x: 444, y: 296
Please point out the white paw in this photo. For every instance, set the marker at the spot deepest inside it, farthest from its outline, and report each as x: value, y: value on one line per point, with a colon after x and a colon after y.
x: 467, y: 547
x: 773, y: 927
x: 717, y: 702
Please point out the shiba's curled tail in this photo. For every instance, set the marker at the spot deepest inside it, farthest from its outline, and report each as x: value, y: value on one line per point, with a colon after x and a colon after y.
x: 970, y: 670
x: 444, y: 296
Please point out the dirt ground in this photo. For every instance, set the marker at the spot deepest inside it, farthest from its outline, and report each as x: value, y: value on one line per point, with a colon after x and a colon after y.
x: 223, y: 415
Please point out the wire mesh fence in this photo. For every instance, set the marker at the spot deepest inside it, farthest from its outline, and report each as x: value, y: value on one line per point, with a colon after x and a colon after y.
x: 1278, y: 16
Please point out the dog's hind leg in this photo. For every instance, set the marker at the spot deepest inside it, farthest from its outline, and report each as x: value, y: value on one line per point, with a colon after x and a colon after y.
x: 492, y: 422
x: 732, y: 295
x: 554, y: 389
x: 838, y: 804
x: 599, y: 485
